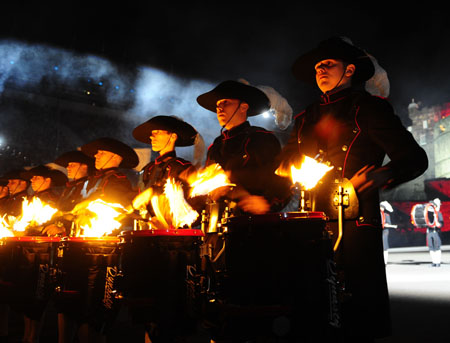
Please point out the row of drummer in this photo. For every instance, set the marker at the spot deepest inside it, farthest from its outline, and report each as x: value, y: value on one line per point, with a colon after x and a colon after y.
x: 98, y: 170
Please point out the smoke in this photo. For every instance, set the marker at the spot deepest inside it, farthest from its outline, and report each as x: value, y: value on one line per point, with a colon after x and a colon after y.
x: 147, y: 91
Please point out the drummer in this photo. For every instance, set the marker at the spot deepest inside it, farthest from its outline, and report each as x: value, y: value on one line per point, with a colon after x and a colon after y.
x: 18, y: 190
x: 109, y: 182
x: 46, y: 183
x: 247, y: 152
x: 164, y: 133
x: 79, y: 166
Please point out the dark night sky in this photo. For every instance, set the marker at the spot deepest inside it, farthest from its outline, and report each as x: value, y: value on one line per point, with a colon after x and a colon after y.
x: 211, y: 43
x: 256, y: 42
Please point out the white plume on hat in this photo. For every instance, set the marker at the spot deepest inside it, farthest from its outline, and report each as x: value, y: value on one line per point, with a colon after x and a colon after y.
x: 279, y: 106
x: 387, y: 206
x: 378, y: 84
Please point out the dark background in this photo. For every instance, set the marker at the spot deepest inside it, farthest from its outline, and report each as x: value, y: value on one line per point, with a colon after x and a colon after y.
x: 53, y: 58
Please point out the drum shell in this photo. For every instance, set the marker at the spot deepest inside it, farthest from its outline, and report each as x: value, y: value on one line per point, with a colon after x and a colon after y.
x: 83, y: 265
x: 272, y: 265
x: 26, y: 270
x: 419, y: 214
x: 154, y: 263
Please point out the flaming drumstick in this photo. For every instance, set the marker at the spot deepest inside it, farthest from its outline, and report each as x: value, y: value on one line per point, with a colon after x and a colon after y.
x: 208, y: 179
x: 309, y: 173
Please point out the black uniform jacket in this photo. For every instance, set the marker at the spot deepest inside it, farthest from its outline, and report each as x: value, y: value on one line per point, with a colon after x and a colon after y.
x: 352, y: 129
x: 72, y: 194
x: 165, y: 166
x: 249, y: 154
x: 110, y: 185
x: 12, y: 205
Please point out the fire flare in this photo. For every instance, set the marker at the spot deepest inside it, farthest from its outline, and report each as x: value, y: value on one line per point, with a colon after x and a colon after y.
x: 4, y: 228
x: 181, y: 212
x: 34, y: 213
x: 309, y: 173
x: 208, y: 179
x: 100, y: 219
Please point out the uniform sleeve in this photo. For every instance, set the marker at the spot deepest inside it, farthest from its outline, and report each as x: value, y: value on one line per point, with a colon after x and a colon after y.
x: 117, y: 189
x: 407, y: 159
x: 258, y: 173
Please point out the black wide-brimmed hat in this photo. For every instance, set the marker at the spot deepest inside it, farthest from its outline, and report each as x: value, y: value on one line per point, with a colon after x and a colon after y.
x: 58, y: 177
x: 256, y: 99
x: 337, y: 48
x: 185, y: 132
x: 129, y: 157
x: 75, y: 156
x: 14, y: 174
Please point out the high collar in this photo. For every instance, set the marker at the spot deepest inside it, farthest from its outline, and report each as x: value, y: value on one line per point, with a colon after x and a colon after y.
x: 104, y: 171
x: 77, y: 181
x: 235, y: 130
x: 333, y: 96
x: 166, y: 156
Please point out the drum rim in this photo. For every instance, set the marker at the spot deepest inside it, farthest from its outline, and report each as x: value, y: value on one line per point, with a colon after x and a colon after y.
x: 281, y: 215
x: 36, y: 239
x: 163, y: 232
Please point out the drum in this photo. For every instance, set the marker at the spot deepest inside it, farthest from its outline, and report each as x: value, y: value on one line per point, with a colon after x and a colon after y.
x: 269, y: 275
x: 154, y: 264
x: 27, y: 266
x: 84, y: 287
x: 419, y: 216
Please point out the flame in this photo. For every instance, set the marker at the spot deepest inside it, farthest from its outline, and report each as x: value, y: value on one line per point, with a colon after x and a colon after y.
x: 4, y: 228
x: 101, y: 218
x: 309, y: 173
x: 34, y: 213
x: 182, y: 212
x: 208, y: 179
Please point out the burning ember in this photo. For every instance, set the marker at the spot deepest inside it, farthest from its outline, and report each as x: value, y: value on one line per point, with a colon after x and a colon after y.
x: 99, y: 218
x: 34, y: 213
x: 309, y: 173
x: 208, y: 179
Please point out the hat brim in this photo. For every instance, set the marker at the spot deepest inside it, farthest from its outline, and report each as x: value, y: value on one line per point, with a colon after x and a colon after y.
x: 303, y: 67
x: 129, y: 157
x: 185, y: 132
x: 58, y: 177
x: 75, y: 156
x: 256, y: 99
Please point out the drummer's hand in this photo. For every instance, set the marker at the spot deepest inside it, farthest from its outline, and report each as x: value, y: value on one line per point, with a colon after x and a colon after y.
x: 218, y: 193
x: 254, y: 204
x: 53, y: 230
x: 368, y: 178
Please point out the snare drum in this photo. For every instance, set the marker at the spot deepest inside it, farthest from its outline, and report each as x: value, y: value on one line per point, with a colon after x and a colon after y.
x: 154, y: 264
x: 26, y: 272
x: 266, y: 267
x: 84, y: 265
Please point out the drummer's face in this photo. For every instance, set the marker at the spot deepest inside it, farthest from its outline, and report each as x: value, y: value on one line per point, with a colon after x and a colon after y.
x: 40, y: 183
x: 4, y: 190
x: 231, y: 112
x: 76, y: 170
x: 16, y: 186
x: 106, y: 159
x: 160, y: 139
